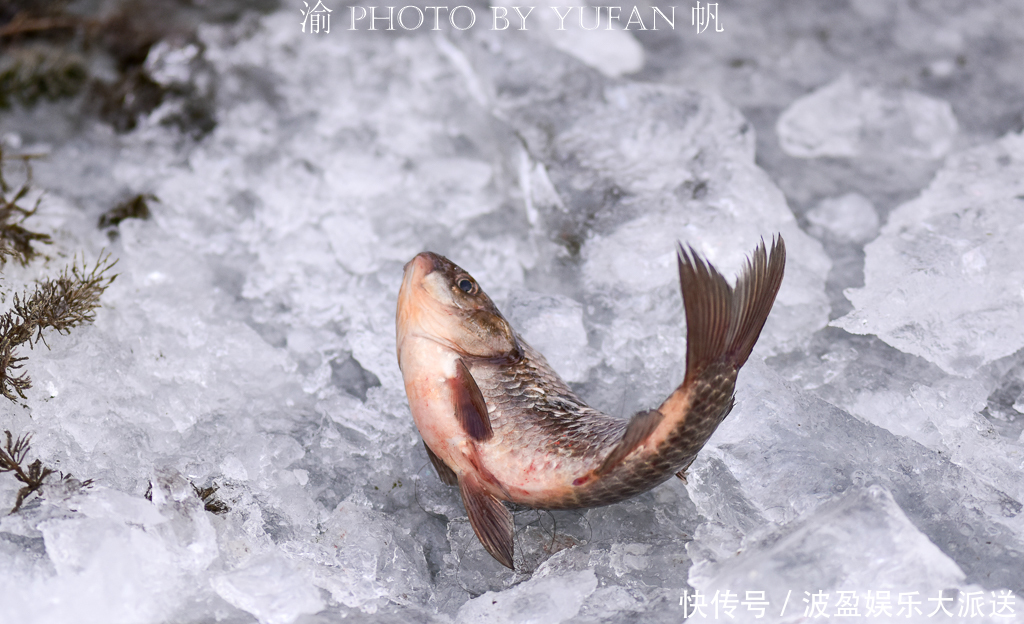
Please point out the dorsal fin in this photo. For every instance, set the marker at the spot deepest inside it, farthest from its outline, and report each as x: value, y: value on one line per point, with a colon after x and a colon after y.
x: 640, y: 426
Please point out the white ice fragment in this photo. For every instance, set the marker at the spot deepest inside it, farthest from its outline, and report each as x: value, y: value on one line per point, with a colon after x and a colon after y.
x: 638, y: 262
x: 587, y: 33
x: 362, y: 558
x: 270, y: 589
x: 100, y: 565
x: 743, y: 483
x: 11, y: 140
x: 353, y: 241
x: 941, y: 280
x: 942, y: 68
x: 233, y: 468
x: 685, y: 161
x: 456, y: 181
x: 919, y: 31
x: 850, y: 119
x: 849, y: 217
x: 860, y: 541
x: 538, y: 191
x: 101, y: 502
x: 168, y: 64
x: 553, y: 325
x: 549, y: 599
x: 155, y: 278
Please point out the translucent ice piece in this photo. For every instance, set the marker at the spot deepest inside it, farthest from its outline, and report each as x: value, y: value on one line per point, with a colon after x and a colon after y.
x: 544, y: 599
x: 852, y: 120
x: 270, y: 589
x: 943, y: 279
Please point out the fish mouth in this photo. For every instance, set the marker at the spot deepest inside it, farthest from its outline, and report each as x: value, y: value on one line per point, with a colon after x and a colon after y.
x: 420, y: 312
x: 424, y: 264
x: 415, y: 270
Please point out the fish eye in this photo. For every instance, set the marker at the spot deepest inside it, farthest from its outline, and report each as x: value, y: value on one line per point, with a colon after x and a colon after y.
x: 467, y: 286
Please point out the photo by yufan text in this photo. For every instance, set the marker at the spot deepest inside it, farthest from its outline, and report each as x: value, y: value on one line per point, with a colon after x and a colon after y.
x: 316, y: 19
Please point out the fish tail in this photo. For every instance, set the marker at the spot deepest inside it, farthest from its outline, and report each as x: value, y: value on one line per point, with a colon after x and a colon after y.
x: 723, y: 323
x: 722, y: 326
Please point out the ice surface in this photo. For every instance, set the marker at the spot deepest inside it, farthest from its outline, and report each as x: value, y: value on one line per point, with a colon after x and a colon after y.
x: 270, y: 590
x: 849, y: 218
x: 958, y: 243
x: 846, y: 468
x: 554, y: 326
x: 541, y: 599
x: 860, y: 542
x: 847, y: 119
x: 248, y: 340
x: 591, y: 37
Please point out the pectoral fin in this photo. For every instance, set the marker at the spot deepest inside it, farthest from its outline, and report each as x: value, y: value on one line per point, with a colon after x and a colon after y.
x: 682, y: 473
x: 446, y: 474
x: 641, y: 426
x: 470, y: 408
x: 491, y: 520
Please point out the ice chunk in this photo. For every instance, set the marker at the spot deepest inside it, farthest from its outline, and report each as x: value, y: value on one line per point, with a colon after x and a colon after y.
x: 849, y: 218
x: 942, y: 279
x: 109, y: 556
x: 270, y: 589
x: 542, y: 599
x: 553, y: 325
x: 859, y: 542
x: 777, y: 437
x: 592, y: 34
x: 168, y: 64
x: 362, y: 560
x: 849, y: 119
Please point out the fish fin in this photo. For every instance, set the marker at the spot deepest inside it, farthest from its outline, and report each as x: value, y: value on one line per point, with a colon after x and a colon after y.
x: 446, y: 474
x: 640, y: 426
x: 682, y: 473
x: 753, y: 298
x: 470, y: 407
x: 491, y: 520
x: 723, y: 323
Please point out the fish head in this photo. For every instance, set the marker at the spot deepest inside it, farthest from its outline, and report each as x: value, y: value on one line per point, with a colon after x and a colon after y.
x: 442, y: 302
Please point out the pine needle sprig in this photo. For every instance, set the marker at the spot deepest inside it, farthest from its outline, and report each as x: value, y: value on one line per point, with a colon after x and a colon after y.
x: 59, y: 304
x: 12, y: 456
x: 15, y: 239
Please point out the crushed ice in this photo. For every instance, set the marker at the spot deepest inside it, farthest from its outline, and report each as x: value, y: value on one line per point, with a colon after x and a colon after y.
x: 248, y: 342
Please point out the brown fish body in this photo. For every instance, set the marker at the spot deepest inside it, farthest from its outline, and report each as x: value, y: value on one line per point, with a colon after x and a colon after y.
x: 501, y: 424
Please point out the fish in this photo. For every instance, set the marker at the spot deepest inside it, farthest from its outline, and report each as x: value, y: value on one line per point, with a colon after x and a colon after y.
x: 498, y: 422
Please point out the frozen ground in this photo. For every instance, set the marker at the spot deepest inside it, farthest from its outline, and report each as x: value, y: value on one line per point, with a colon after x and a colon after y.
x: 248, y: 342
